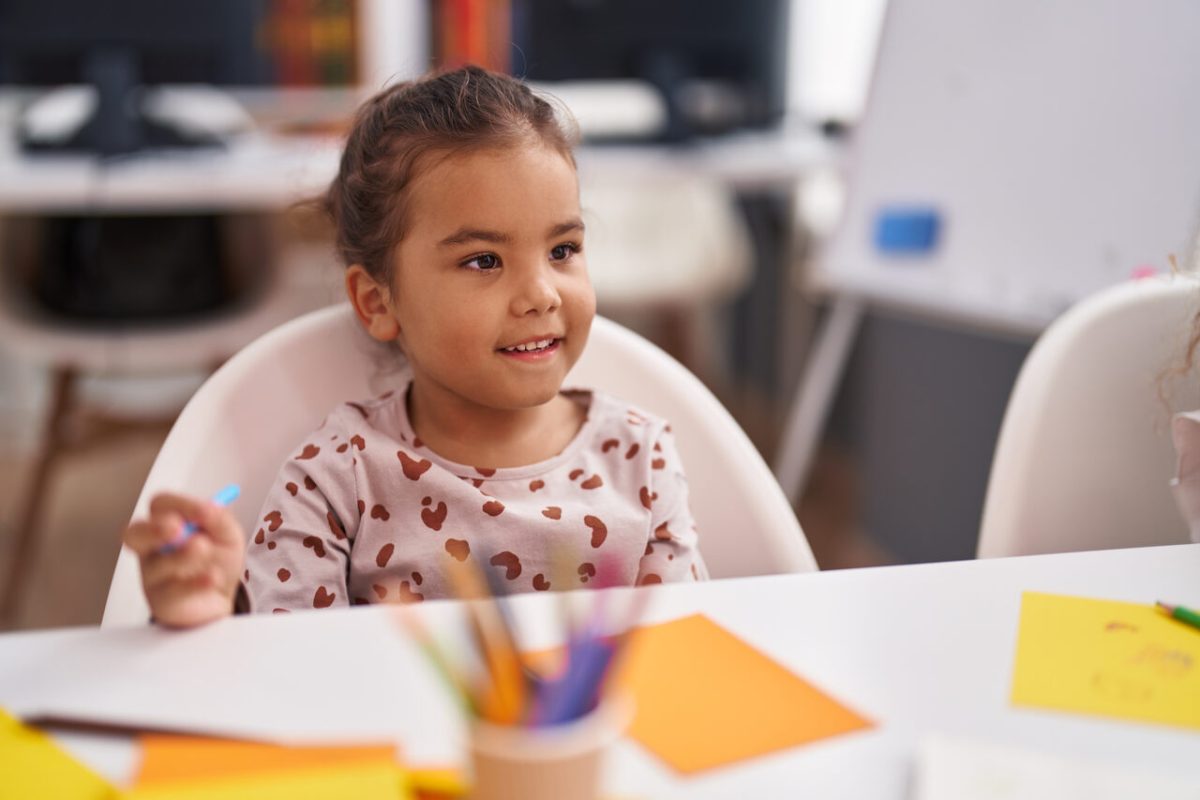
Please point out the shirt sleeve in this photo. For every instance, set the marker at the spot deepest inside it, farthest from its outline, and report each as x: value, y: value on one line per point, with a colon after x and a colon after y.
x: 298, y: 558
x: 672, y: 550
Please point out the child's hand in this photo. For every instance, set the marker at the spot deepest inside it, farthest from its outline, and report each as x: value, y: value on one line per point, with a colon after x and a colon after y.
x: 197, y: 582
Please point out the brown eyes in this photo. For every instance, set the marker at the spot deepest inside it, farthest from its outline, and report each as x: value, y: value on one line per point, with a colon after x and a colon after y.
x: 562, y: 252
x: 483, y: 263
x: 486, y: 262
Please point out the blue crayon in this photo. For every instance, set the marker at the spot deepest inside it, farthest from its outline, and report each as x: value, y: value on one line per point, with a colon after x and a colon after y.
x: 222, y: 498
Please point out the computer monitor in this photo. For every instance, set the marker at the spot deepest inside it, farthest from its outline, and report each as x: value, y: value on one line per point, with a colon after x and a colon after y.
x: 121, y: 46
x: 720, y: 65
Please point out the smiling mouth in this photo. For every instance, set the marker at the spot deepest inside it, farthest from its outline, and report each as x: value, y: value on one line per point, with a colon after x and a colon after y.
x: 539, y: 346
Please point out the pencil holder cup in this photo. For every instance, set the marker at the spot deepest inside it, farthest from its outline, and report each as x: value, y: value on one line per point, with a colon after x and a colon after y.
x: 559, y: 762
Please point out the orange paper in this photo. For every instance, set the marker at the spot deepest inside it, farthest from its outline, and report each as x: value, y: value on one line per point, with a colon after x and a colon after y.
x: 706, y: 699
x: 172, y: 759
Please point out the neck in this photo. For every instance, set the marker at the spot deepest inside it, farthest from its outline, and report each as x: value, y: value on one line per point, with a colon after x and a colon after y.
x: 468, y: 433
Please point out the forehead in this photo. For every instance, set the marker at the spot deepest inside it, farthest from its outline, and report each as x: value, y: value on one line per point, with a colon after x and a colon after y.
x: 502, y: 189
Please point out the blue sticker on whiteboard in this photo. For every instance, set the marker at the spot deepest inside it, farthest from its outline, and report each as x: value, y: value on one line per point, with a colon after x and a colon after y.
x: 906, y: 231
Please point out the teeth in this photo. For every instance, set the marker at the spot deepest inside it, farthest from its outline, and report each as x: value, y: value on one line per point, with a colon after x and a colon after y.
x: 531, y: 346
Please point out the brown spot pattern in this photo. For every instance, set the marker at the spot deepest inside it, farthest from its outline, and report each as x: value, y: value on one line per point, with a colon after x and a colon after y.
x: 309, y: 451
x: 384, y: 555
x: 649, y: 579
x: 379, y: 512
x: 493, y: 508
x: 540, y: 583
x: 599, y: 529
x: 535, y: 485
x: 335, y: 527
x: 407, y: 595
x: 309, y: 483
x: 273, y: 520
x: 594, y: 482
x: 552, y: 512
x: 433, y: 518
x: 575, y: 473
x: 316, y: 544
x: 658, y: 463
x: 633, y: 450
x: 646, y: 497
x: 260, y: 537
x: 323, y: 598
x: 380, y: 591
x: 586, y: 571
x: 413, y: 468
x: 292, y: 488
x: 283, y: 575
x: 663, y: 533
x: 458, y: 548
x: 609, y: 444
x: 510, y: 562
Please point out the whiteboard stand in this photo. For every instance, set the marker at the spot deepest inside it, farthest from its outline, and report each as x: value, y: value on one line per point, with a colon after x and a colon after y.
x: 818, y: 387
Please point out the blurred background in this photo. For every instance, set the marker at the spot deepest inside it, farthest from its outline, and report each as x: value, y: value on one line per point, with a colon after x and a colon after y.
x: 152, y: 156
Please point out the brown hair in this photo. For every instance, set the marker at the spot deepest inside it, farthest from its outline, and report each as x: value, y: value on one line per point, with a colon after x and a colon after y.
x: 466, y: 109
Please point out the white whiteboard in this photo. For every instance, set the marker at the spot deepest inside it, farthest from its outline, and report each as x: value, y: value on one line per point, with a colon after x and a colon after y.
x: 1059, y: 141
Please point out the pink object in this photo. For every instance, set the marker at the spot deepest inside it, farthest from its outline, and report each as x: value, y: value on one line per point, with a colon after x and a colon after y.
x: 1144, y: 271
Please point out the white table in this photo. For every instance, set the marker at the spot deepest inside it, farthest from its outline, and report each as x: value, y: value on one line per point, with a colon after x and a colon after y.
x: 922, y: 650
x: 263, y: 171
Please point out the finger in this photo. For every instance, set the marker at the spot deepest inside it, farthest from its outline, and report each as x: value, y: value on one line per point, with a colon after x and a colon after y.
x: 147, y: 536
x: 216, y: 521
x: 180, y: 566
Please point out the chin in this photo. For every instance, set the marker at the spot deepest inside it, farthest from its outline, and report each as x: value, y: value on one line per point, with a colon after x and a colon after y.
x: 526, y: 395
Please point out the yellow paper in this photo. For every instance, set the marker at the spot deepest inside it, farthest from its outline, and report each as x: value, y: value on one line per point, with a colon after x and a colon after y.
x: 181, y: 767
x: 369, y: 781
x: 704, y: 698
x: 1109, y: 658
x: 169, y: 758
x: 33, y: 766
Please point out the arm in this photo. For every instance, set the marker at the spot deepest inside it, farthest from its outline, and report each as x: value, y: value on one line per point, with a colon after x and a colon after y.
x: 672, y: 551
x: 298, y: 556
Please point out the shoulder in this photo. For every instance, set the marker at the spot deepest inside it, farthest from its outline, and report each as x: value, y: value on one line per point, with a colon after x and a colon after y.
x: 641, y: 435
x: 385, y: 413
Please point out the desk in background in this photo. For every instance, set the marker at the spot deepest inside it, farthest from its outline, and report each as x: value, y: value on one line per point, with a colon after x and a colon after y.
x: 921, y: 650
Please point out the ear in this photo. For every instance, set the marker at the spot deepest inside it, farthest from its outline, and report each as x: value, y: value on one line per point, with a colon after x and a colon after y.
x: 372, y: 303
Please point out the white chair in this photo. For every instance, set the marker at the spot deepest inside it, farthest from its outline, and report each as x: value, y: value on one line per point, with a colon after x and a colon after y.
x: 242, y: 423
x: 1084, y: 458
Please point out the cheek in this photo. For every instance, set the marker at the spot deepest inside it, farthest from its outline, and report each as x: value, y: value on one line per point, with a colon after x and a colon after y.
x: 579, y: 296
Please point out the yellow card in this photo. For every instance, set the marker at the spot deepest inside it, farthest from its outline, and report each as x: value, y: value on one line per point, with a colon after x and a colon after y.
x: 705, y: 698
x: 183, y: 767
x: 170, y: 758
x: 32, y: 765
x: 1109, y: 658
x: 362, y: 781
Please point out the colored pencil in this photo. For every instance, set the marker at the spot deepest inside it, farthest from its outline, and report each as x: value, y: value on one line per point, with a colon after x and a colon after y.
x: 1184, y: 615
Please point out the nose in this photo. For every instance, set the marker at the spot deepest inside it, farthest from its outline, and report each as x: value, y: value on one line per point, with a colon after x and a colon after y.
x: 536, y: 292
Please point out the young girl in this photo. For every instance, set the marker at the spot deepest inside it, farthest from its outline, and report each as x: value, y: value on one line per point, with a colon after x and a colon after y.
x: 457, y: 214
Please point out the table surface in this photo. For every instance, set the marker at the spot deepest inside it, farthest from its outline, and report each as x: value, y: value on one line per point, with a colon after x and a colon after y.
x: 261, y: 170
x: 922, y: 650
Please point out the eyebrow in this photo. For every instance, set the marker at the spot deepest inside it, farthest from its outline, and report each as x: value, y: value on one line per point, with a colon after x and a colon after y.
x: 464, y: 235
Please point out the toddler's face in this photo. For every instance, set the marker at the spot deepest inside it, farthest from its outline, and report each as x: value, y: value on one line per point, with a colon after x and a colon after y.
x: 492, y: 261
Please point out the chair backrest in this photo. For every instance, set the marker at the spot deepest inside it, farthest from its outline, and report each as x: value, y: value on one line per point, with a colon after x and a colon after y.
x: 242, y: 423
x: 1084, y: 458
